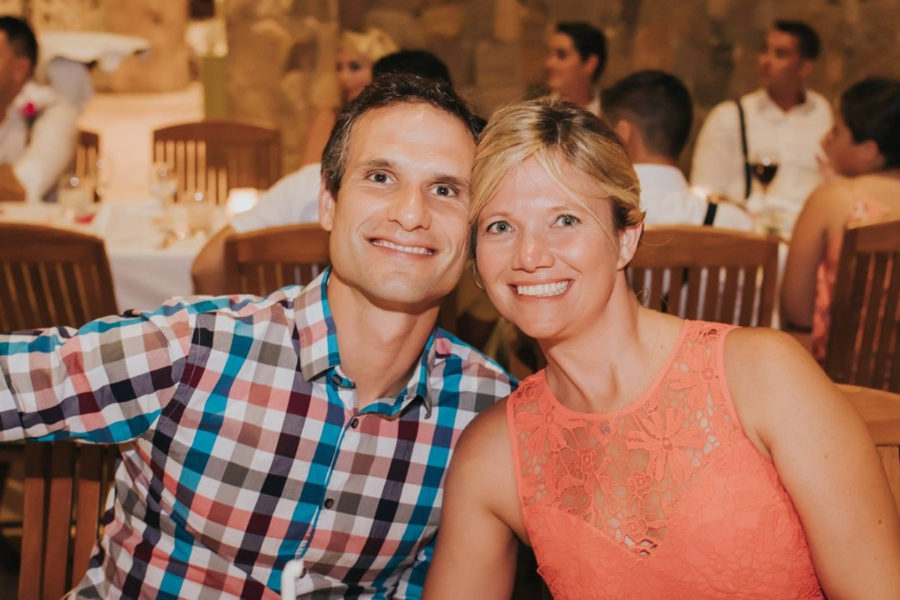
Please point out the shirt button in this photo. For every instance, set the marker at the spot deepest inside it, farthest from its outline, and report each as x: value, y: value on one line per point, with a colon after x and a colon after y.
x: 329, y: 502
x: 354, y: 423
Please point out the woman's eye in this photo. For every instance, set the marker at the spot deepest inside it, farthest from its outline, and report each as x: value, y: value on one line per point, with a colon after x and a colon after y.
x: 497, y: 227
x: 567, y: 220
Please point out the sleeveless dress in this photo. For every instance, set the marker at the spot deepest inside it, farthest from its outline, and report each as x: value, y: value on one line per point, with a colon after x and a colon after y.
x: 667, y: 498
x: 826, y: 272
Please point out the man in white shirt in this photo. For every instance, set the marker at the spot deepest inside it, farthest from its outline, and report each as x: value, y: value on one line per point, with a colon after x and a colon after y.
x: 784, y: 123
x: 652, y: 112
x: 37, y: 126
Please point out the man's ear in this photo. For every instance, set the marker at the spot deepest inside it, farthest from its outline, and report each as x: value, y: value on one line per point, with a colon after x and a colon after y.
x: 21, y: 69
x: 590, y: 65
x: 326, y: 206
x: 806, y: 68
x: 870, y: 154
x: 628, y: 243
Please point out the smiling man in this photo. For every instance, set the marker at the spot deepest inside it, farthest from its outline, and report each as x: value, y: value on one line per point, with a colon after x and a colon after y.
x: 783, y: 121
x: 312, y: 426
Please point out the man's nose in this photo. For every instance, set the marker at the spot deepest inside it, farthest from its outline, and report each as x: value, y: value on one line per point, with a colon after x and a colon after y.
x: 410, y: 209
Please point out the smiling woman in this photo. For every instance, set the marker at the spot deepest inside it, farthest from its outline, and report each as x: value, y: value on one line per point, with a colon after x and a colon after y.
x: 615, y: 462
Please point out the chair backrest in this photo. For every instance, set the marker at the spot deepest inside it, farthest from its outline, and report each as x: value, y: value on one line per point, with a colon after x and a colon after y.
x: 87, y: 153
x: 218, y: 155
x: 881, y: 412
x: 261, y: 261
x: 708, y: 273
x: 52, y: 277
x: 863, y: 346
x: 65, y: 486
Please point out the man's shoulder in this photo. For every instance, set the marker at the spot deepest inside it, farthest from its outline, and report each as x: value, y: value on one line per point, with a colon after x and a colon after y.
x: 457, y: 364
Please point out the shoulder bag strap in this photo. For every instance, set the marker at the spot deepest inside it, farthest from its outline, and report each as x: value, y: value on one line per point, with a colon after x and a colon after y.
x: 744, y: 148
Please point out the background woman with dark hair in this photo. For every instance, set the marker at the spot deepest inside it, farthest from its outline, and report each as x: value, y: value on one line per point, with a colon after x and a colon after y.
x: 864, y: 149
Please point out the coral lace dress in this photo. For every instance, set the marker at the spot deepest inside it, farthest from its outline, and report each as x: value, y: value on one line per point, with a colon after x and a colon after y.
x: 664, y: 499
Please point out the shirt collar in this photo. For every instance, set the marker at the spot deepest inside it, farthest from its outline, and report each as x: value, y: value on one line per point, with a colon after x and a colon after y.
x: 319, y: 355
x: 765, y: 103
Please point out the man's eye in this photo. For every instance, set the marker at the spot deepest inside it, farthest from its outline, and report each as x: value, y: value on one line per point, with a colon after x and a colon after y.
x: 567, y: 220
x: 498, y: 227
x: 379, y: 177
x: 444, y: 190
x: 354, y: 66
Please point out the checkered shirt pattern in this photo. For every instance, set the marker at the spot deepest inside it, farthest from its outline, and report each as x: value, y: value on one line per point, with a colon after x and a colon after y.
x: 243, y: 449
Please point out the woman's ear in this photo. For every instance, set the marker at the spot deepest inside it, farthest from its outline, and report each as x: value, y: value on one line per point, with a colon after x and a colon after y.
x: 628, y: 243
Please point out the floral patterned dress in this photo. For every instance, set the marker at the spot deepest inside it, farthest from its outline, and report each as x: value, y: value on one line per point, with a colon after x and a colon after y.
x: 667, y: 498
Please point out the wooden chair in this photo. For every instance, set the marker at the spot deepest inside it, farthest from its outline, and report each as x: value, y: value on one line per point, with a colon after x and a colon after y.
x: 259, y: 262
x: 864, y: 343
x: 55, y: 277
x: 52, y: 277
x: 65, y: 485
x: 87, y: 153
x: 707, y: 273
x: 881, y: 412
x: 217, y: 155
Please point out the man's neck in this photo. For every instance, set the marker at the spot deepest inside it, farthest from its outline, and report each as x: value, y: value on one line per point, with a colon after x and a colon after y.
x: 581, y: 96
x: 6, y: 100
x: 787, y: 98
x: 379, y: 347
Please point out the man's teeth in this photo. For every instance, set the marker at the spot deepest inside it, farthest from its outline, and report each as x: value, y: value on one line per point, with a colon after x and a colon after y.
x: 410, y: 249
x: 543, y: 289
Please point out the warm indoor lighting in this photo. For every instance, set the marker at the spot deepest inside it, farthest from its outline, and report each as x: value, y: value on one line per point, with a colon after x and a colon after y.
x: 240, y: 200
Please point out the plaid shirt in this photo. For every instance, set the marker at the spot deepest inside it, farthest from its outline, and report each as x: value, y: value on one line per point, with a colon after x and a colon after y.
x: 246, y: 449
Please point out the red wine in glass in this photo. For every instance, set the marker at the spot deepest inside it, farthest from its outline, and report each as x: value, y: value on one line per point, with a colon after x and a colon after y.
x: 764, y: 171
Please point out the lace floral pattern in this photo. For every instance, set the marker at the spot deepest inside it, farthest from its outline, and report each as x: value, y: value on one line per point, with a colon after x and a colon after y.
x: 666, y: 499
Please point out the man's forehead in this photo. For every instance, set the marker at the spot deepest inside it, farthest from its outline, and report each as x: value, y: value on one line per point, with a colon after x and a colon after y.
x: 783, y: 40
x: 406, y: 122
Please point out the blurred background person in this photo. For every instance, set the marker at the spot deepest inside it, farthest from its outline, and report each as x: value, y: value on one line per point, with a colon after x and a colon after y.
x: 576, y: 57
x: 357, y: 52
x: 782, y: 123
x: 654, y: 457
x: 652, y: 113
x: 37, y: 125
x: 864, y: 149
x: 295, y: 197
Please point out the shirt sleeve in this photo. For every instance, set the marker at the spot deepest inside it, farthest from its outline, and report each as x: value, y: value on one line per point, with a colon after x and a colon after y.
x: 718, y: 158
x: 106, y: 382
x: 413, y: 579
x: 293, y: 199
x: 50, y: 150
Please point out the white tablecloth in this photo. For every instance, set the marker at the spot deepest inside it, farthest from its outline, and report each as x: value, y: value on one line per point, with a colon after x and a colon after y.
x: 146, y: 269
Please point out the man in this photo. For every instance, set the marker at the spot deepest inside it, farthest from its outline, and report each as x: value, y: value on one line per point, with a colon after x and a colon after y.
x: 576, y: 57
x: 294, y: 198
x: 784, y: 122
x: 37, y: 126
x: 313, y: 425
x: 652, y: 113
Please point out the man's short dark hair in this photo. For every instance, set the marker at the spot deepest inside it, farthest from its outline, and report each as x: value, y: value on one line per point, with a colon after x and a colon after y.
x: 871, y: 111
x: 416, y: 62
x: 587, y: 40
x: 658, y: 104
x: 808, y: 44
x: 388, y: 90
x: 20, y: 38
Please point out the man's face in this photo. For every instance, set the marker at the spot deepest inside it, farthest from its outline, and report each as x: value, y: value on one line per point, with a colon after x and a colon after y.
x: 399, y: 222
x: 780, y: 64
x: 14, y: 71
x: 565, y: 69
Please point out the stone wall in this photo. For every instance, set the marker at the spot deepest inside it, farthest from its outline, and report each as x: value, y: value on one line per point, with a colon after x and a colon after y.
x: 494, y: 48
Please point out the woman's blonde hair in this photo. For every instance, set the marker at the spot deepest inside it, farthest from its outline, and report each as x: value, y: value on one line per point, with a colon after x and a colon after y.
x: 557, y: 134
x: 371, y: 44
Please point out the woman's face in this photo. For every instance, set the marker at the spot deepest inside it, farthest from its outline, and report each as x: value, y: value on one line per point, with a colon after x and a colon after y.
x: 549, y: 261
x: 354, y: 72
x: 845, y: 156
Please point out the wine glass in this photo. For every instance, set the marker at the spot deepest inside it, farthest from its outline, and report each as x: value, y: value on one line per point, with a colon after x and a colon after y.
x: 104, y: 169
x: 764, y: 167
x: 163, y: 183
x: 75, y: 195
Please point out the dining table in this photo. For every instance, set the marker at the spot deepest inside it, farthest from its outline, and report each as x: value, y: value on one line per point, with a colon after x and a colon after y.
x: 149, y: 247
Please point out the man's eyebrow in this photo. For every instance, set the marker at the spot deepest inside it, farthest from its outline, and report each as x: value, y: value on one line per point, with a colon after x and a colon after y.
x: 453, y: 180
x: 376, y: 163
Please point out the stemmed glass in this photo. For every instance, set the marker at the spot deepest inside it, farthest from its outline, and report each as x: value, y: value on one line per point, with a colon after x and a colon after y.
x: 764, y: 167
x: 163, y: 183
x: 103, y: 175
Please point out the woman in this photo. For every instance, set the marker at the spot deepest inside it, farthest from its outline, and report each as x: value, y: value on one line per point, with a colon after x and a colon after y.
x: 357, y: 53
x: 864, y: 147
x: 653, y: 457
